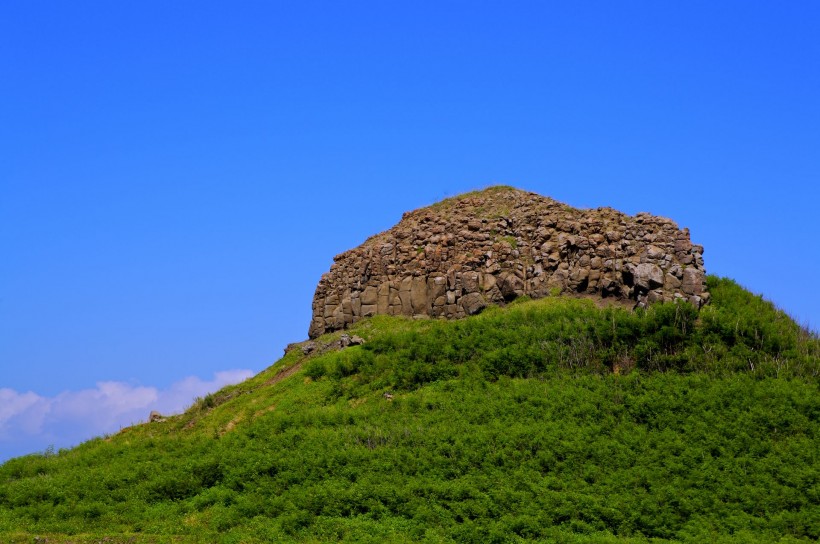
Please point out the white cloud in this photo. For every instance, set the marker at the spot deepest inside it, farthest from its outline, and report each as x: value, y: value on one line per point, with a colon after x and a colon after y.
x: 30, y: 422
x: 25, y: 410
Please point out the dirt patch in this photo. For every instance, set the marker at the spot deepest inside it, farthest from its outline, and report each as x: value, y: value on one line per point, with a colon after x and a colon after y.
x: 288, y: 372
x: 231, y: 425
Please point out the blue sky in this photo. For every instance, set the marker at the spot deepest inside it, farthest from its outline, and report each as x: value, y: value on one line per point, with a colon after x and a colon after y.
x: 176, y: 176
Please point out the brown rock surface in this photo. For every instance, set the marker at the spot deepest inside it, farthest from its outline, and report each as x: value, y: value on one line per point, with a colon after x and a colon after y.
x: 454, y: 258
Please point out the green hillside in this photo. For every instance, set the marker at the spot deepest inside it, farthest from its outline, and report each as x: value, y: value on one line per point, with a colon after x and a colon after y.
x: 551, y: 420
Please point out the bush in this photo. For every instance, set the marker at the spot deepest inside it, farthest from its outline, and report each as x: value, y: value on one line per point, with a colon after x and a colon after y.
x: 712, y: 436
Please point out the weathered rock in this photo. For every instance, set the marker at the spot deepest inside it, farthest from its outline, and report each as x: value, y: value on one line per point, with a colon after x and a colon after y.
x: 671, y: 283
x: 305, y: 347
x: 648, y: 276
x: 418, y: 296
x: 456, y: 257
x: 473, y: 303
x: 511, y: 286
x: 370, y: 295
x: 470, y: 282
x: 693, y: 281
x: 346, y: 340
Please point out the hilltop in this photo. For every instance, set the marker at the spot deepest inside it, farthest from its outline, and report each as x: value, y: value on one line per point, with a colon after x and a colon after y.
x: 557, y: 419
x: 456, y: 257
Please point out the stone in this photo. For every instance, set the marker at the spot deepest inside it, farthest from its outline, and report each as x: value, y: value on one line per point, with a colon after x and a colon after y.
x: 347, y: 340
x: 694, y: 281
x: 578, y: 275
x: 654, y: 296
x: 511, y: 286
x: 370, y: 295
x: 654, y: 253
x: 488, y: 281
x: 683, y: 245
x: 676, y: 271
x: 671, y: 283
x: 648, y: 276
x: 469, y: 281
x: 418, y: 295
x: 436, y: 286
x: 473, y: 303
x: 347, y: 307
x: 404, y: 296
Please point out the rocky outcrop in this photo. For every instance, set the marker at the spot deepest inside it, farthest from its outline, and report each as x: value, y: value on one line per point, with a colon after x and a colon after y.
x: 454, y: 258
x: 310, y: 347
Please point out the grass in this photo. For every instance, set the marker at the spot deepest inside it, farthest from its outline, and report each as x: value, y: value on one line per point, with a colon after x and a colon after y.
x: 478, y: 212
x: 548, y: 420
x: 511, y: 240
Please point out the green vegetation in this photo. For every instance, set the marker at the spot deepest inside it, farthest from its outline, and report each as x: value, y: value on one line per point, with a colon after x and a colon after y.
x: 479, y: 212
x: 511, y: 240
x: 487, y: 191
x: 549, y: 420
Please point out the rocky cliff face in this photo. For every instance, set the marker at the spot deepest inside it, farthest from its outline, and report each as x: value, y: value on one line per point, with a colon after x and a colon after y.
x: 454, y: 258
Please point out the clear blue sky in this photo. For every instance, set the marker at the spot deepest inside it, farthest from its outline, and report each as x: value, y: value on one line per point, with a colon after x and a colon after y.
x: 176, y: 176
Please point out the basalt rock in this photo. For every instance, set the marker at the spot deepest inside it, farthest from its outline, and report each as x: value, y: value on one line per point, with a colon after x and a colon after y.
x: 454, y: 258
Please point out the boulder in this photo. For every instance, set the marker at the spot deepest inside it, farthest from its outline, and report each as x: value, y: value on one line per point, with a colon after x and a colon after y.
x: 473, y: 303
x: 648, y: 276
x: 693, y: 281
x: 511, y: 286
x: 418, y: 295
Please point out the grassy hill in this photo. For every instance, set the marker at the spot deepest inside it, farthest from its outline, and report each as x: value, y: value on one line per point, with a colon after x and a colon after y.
x: 551, y: 420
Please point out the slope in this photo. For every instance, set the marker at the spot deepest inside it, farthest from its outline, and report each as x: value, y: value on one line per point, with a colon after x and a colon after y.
x: 547, y: 420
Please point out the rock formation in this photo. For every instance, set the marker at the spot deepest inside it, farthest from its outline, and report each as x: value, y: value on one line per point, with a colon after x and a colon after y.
x: 454, y: 258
